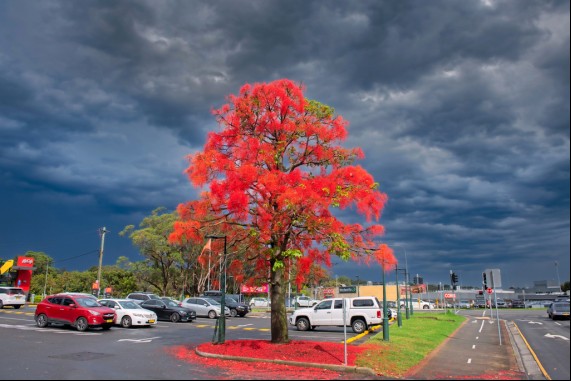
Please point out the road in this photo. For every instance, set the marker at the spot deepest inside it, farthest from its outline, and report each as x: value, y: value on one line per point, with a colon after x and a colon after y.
x: 548, y: 339
x: 63, y: 353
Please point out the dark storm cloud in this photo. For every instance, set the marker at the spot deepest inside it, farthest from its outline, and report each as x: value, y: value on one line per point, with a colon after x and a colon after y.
x: 461, y: 107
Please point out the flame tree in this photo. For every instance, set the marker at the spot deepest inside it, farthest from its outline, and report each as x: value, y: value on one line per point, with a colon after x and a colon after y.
x: 271, y: 178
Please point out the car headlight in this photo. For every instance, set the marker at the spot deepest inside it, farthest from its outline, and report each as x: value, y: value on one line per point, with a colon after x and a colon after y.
x: 183, y: 313
x: 94, y: 313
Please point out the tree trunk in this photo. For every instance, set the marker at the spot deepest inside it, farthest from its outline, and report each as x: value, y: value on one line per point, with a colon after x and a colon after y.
x: 279, y: 313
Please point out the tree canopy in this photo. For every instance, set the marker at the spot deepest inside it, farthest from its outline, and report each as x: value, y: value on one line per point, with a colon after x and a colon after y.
x: 273, y: 174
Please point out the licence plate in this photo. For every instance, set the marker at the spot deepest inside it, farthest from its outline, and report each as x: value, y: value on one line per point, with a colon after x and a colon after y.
x: 151, y: 320
x: 109, y: 321
x: 18, y: 296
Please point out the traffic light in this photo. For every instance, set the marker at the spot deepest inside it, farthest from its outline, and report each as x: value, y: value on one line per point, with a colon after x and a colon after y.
x: 454, y: 277
x: 484, y: 281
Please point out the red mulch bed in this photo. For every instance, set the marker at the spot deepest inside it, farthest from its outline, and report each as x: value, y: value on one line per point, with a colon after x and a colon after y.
x: 302, y: 351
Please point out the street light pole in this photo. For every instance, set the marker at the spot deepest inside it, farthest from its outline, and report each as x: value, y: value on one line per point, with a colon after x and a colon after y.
x: 102, y: 231
x: 385, y: 312
x: 358, y: 291
x: 558, y: 280
x: 222, y: 318
x: 399, y: 317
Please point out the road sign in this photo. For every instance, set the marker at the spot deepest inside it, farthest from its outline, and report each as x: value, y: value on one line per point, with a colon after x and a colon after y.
x: 489, y: 290
x: 450, y: 296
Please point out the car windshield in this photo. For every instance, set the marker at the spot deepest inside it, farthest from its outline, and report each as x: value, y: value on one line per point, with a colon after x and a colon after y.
x: 88, y: 302
x: 15, y: 291
x: 171, y: 303
x: 129, y: 305
x: 212, y: 301
x: 153, y: 296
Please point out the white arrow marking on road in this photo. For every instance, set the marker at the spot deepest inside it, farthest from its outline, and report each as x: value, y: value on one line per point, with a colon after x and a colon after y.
x: 556, y: 336
x: 244, y: 325
x: 536, y: 322
x: 140, y: 340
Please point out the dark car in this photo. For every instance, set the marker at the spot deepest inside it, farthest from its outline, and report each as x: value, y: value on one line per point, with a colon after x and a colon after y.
x: 169, y: 310
x: 236, y: 309
x: 79, y: 311
x: 140, y: 297
x: 518, y: 303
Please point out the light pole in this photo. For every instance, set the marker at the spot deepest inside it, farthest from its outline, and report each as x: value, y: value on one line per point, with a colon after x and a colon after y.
x: 399, y: 317
x: 558, y: 280
x: 358, y: 291
x: 102, y: 232
x: 222, y: 318
x: 385, y: 312
x: 408, y: 297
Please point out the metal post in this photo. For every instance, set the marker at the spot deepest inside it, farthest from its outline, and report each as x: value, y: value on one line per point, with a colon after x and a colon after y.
x: 385, y: 314
x: 558, y: 280
x: 399, y: 317
x: 46, y: 280
x: 102, y: 232
x: 358, y: 290
x: 221, y: 337
x: 406, y: 299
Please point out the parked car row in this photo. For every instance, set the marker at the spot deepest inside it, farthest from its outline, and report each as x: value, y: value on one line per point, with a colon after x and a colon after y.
x: 84, y: 311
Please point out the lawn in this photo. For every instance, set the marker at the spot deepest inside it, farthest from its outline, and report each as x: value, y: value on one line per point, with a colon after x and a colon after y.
x: 409, y: 344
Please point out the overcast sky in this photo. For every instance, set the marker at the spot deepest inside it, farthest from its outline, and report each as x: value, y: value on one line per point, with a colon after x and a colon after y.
x: 461, y: 109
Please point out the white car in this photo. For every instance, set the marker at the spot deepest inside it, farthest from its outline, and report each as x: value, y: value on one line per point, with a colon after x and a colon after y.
x: 205, y: 307
x: 12, y: 296
x: 128, y: 313
x: 260, y: 302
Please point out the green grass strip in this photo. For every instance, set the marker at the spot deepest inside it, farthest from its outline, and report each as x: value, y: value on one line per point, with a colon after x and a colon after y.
x: 408, y: 345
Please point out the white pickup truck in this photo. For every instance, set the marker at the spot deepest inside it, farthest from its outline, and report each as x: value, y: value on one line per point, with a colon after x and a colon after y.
x: 362, y: 313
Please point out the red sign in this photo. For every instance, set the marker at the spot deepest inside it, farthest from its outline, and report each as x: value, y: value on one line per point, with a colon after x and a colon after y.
x: 254, y: 289
x: 489, y: 290
x: 25, y: 262
x: 450, y: 296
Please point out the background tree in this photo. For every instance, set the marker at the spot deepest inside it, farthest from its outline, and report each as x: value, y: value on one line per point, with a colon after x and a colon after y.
x: 167, y: 266
x: 276, y: 170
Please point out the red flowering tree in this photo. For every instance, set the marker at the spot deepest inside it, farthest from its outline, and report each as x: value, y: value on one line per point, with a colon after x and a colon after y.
x: 274, y: 174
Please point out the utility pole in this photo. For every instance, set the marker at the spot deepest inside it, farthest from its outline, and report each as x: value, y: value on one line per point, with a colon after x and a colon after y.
x: 102, y: 232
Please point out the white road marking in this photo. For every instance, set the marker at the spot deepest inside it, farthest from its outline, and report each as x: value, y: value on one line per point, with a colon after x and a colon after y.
x: 556, y: 336
x: 469, y: 361
x: 148, y: 340
x: 481, y: 327
x: 474, y: 346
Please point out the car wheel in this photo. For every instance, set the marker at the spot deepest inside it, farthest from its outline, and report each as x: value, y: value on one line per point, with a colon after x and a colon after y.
x: 233, y: 312
x: 17, y: 307
x: 359, y: 326
x: 302, y: 324
x: 212, y: 314
x: 1, y: 305
x: 81, y: 324
x: 175, y: 317
x: 126, y: 322
x: 425, y: 307
x: 42, y: 321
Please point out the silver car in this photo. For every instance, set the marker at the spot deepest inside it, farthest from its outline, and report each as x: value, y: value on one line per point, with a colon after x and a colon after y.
x: 558, y: 310
x: 205, y: 307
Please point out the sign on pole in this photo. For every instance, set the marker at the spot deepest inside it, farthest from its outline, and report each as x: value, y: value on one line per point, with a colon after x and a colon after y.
x: 494, y: 278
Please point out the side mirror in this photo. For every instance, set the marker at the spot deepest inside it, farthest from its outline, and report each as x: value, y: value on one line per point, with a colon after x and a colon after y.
x: 72, y: 306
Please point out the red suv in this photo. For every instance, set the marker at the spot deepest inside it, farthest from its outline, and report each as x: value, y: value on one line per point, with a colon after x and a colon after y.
x: 79, y: 311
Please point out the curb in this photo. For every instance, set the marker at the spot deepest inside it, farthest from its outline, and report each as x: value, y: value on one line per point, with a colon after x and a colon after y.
x: 339, y: 368
x: 525, y: 357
